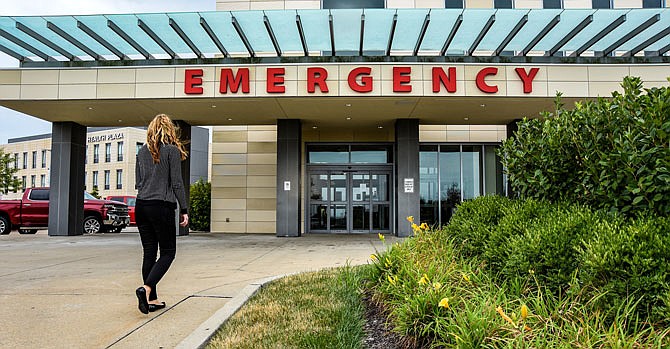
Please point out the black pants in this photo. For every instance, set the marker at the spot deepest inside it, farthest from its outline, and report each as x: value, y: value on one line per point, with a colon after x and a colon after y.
x: 156, y: 223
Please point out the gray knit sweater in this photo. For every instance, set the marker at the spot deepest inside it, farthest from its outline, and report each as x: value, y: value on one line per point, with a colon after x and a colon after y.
x: 161, y: 181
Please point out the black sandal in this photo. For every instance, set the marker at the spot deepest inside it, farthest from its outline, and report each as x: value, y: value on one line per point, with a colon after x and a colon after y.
x: 155, y: 307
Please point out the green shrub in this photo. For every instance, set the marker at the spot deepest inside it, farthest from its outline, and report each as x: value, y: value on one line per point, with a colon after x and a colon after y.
x: 201, y: 203
x: 609, y: 153
x: 631, y: 259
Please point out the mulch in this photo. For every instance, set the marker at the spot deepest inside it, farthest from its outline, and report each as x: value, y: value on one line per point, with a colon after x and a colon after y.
x: 379, y: 333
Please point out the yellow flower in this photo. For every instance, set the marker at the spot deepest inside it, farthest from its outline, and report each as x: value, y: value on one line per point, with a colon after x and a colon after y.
x: 424, y: 280
x: 424, y: 226
x: 373, y: 257
x: 444, y: 303
x: 392, y: 280
x: 466, y: 278
x: 504, y: 316
x: 410, y: 219
x: 381, y: 237
x: 415, y: 227
x: 437, y: 286
x: 524, y: 312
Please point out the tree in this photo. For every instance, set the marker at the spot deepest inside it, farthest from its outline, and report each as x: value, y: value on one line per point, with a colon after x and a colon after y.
x: 95, y: 192
x: 7, y: 180
x: 201, y: 203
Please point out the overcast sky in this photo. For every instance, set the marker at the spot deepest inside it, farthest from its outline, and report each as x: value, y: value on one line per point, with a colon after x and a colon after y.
x: 14, y: 124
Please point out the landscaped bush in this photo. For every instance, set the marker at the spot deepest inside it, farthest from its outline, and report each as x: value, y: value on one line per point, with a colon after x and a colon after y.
x: 609, y: 153
x: 528, y: 273
x: 201, y: 203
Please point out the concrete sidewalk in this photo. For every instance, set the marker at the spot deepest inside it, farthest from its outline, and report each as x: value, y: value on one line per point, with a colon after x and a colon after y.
x: 78, y: 292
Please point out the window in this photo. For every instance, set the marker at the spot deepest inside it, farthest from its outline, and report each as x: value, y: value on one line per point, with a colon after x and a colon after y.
x: 344, y: 154
x: 138, y: 146
x: 108, y: 152
x: 86, y: 155
x: 333, y: 4
x: 552, y: 4
x: 34, y: 159
x: 601, y: 4
x: 95, y: 179
x: 44, y: 159
x: 502, y: 4
x: 652, y: 3
x: 96, y: 156
x: 453, y: 4
x: 16, y: 160
x: 119, y: 179
x: 106, y: 179
x: 43, y: 180
x: 32, y: 181
x: 85, y: 176
x: 119, y: 151
x: 39, y: 194
x: 25, y: 160
x: 23, y: 182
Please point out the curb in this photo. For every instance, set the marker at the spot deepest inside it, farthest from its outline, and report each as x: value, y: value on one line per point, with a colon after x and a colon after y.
x: 201, y: 336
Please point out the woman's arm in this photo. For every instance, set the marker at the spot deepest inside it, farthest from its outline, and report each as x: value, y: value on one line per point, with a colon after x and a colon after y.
x: 174, y: 161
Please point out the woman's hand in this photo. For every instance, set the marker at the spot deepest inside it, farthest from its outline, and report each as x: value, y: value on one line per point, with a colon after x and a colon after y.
x: 184, y: 220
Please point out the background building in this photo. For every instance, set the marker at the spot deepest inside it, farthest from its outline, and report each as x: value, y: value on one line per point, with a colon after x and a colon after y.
x: 110, y: 159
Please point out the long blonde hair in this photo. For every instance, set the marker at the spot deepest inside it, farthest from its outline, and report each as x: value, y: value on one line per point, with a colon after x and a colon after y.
x: 163, y: 131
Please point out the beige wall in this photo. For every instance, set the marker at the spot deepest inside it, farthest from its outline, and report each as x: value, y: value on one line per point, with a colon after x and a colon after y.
x: 244, y: 168
x: 131, y: 136
x: 573, y: 80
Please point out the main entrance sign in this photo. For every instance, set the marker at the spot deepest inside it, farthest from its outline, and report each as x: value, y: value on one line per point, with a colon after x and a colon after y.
x: 359, y: 80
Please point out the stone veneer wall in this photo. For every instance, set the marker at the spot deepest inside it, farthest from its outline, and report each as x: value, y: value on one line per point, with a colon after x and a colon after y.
x: 244, y: 168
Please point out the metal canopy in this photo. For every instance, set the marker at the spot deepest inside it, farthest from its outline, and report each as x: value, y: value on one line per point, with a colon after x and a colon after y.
x: 402, y: 33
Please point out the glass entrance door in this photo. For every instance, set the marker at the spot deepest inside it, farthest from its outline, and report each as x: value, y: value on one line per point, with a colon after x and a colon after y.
x: 350, y: 201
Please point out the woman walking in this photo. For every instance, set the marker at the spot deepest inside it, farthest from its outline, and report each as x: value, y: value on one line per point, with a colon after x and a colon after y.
x: 159, y: 190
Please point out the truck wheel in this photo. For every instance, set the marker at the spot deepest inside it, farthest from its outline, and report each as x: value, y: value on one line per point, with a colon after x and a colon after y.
x: 27, y: 231
x: 92, y: 225
x: 5, y: 226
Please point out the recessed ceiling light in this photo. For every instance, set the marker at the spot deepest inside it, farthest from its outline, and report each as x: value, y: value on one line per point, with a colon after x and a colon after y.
x: 120, y: 120
x: 482, y: 105
x: 314, y: 127
x: 348, y: 105
x: 90, y: 108
x: 380, y: 126
x: 348, y: 117
x: 230, y: 119
x: 466, y: 118
x: 213, y: 106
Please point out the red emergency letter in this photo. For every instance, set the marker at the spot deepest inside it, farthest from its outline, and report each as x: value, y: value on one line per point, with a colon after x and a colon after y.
x: 317, y: 76
x: 366, y: 80
x: 481, y: 80
x: 401, y: 79
x: 440, y: 78
x: 227, y: 79
x: 193, y: 82
x: 275, y: 83
x: 527, y: 78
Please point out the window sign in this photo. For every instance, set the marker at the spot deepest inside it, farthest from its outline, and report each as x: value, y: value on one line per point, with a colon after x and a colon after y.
x: 409, y: 185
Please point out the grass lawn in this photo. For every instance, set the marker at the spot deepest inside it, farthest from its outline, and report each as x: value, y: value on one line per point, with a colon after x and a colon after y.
x: 312, y: 310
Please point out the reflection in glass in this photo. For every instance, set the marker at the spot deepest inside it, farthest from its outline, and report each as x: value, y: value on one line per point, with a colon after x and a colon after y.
x: 471, y: 171
x: 318, y: 187
x: 328, y: 154
x: 318, y: 217
x: 369, y: 154
x: 338, y: 187
x: 381, y: 216
x: 338, y: 217
x: 360, y: 187
x: 380, y: 187
x: 492, y: 172
x: 428, y: 190
x: 450, y: 180
x: 361, y: 217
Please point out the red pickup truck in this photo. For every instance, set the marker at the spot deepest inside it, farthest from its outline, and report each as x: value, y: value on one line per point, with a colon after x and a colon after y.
x: 32, y: 213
